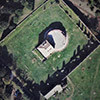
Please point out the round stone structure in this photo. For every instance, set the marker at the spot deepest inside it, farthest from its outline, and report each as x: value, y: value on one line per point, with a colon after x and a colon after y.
x: 58, y: 39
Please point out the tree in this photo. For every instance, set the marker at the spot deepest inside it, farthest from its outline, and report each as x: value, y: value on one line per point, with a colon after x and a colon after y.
x: 7, y: 77
x: 16, y: 0
x: 95, y: 3
x: 23, y: 2
x: 19, y: 12
x: 97, y: 13
x: 6, y: 60
x: 15, y: 19
x: 22, y: 74
x: 2, y: 72
x: 30, y: 4
x: 3, y: 24
x: 57, y: 1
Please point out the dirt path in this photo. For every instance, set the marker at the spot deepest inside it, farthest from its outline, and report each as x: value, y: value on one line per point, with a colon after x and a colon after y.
x: 92, y: 89
x: 10, y: 19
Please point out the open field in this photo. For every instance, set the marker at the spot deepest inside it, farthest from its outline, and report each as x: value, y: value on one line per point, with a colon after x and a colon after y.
x: 86, y: 78
x: 25, y: 37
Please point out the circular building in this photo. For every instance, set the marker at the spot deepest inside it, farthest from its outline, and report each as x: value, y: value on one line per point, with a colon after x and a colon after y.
x: 54, y: 40
x: 58, y: 39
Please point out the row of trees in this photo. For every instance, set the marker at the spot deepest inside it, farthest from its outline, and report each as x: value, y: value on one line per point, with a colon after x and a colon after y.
x: 7, y: 78
x: 6, y: 63
x: 95, y: 3
x: 15, y: 8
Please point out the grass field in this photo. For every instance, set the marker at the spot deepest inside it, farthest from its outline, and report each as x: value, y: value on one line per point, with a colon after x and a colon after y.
x: 86, y: 78
x: 25, y: 37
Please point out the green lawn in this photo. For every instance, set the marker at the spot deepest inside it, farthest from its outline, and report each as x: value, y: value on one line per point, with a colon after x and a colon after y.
x: 86, y: 78
x: 25, y: 37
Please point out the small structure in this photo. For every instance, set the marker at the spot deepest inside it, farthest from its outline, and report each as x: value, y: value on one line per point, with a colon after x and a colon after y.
x: 57, y: 88
x: 54, y: 41
x: 45, y: 48
x: 50, y: 88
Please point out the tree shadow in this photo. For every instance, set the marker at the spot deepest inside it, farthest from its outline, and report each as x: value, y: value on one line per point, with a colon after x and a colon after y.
x: 6, y: 58
x: 77, y: 11
x: 6, y: 65
x: 59, y: 75
x: 8, y: 30
x: 31, y: 89
x: 11, y: 7
x: 33, y: 5
x: 93, y: 23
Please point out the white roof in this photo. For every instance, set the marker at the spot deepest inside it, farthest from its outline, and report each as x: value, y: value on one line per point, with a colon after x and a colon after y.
x: 58, y: 38
x: 45, y: 48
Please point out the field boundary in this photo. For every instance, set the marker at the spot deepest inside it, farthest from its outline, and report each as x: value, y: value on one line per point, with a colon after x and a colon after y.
x: 80, y: 21
x: 85, y: 59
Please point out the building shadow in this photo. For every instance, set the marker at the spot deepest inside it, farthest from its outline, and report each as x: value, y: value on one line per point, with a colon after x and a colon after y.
x: 52, y: 26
